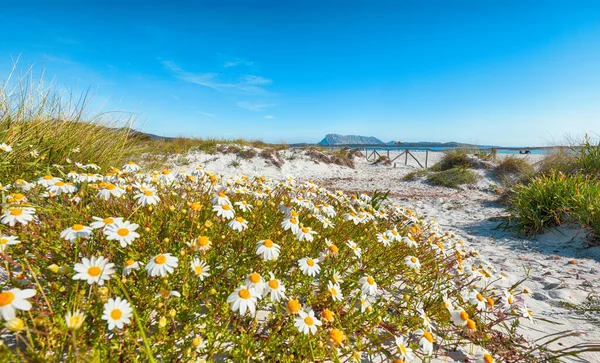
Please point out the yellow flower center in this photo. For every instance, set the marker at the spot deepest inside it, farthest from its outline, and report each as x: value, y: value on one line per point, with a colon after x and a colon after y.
x: 116, y: 314
x: 402, y: 348
x: 510, y: 300
x: 244, y: 294
x: 94, y: 271
x: 309, y: 321
x: 129, y: 262
x: 203, y: 241
x: 160, y: 259
x: 198, y: 269
x: 254, y: 278
x: 327, y: 315
x: 490, y: 302
x: 370, y: 280
x: 6, y: 298
x: 268, y: 243
x: 74, y: 321
x: 480, y: 297
x: 240, y: 219
x: 16, y: 212
x: 111, y: 187
x: 165, y: 172
x: 148, y: 193
x: 3, y: 241
x: 274, y: 284
x: 77, y: 227
x: 123, y: 232
x: 464, y: 316
x: 413, y: 259
x: 222, y: 195
x: 226, y: 207
x: 310, y: 262
x: 108, y: 221
x: 336, y: 336
x: 427, y: 335
x: 294, y: 213
x: 293, y: 220
x: 305, y: 230
x: 333, y: 249
x: 294, y: 306
x: 48, y: 177
x: 488, y: 358
x: 195, y: 206
x: 471, y: 324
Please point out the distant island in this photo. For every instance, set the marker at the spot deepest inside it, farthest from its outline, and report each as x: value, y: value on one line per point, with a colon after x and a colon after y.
x: 336, y: 139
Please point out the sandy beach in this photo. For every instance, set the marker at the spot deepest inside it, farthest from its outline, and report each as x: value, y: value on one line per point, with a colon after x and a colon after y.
x: 559, y: 266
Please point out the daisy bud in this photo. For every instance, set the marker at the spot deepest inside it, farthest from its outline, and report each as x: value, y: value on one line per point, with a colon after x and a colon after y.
x: 54, y: 268
x: 197, y: 341
x: 15, y: 325
x: 162, y: 322
x: 172, y: 313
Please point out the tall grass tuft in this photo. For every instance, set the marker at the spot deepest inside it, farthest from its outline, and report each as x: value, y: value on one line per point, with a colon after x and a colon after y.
x: 453, y: 178
x: 44, y: 127
x: 452, y: 158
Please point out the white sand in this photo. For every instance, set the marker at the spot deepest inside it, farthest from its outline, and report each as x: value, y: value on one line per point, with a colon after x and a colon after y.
x: 560, y: 270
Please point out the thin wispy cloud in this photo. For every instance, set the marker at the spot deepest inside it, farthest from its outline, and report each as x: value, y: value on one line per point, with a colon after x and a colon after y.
x: 237, y: 62
x: 254, y: 106
x: 269, y: 117
x: 207, y: 114
x: 249, y: 84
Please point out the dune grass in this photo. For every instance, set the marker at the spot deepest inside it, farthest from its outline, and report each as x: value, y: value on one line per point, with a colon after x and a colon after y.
x: 453, y: 178
x: 459, y: 157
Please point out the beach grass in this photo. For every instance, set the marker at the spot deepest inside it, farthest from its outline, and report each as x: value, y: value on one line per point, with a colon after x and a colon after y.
x: 453, y: 178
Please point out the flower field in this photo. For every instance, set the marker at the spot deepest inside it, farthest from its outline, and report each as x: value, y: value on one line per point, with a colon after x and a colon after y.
x: 122, y: 265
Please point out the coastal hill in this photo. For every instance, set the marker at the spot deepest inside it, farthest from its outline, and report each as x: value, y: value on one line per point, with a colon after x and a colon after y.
x: 335, y: 139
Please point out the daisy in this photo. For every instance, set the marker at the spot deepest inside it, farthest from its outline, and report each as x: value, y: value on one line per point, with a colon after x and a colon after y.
x: 238, y: 224
x: 268, y: 249
x: 384, y: 239
x: 20, y: 215
x: 47, y: 180
x: 117, y: 312
x: 478, y: 300
x: 14, y: 299
x: 309, y: 266
x: 305, y: 233
x: 6, y: 148
x: 307, y: 322
x: 508, y: 299
x: 202, y: 243
x: 76, y: 231
x: 161, y: 265
x: 224, y: 210
x: 166, y: 177
x: 256, y: 282
x: 335, y: 291
x: 6, y: 241
x: 221, y: 199
x: 147, y: 197
x: 353, y: 217
x: 130, y: 266
x: 425, y: 341
x: 94, y: 270
x: 364, y: 303
x: 484, y: 357
x: 425, y: 318
x: 244, y: 206
x: 200, y: 268
x: 242, y: 299
x: 104, y: 222
x: 357, y: 250
x: 401, y: 347
x: 412, y: 262
x: 110, y: 190
x: 332, y: 249
x: 167, y: 293
x: 61, y: 187
x: 410, y: 242
x: 526, y: 313
x: 459, y: 317
x: 131, y: 167
x: 291, y: 224
x: 122, y: 231
x: 369, y: 286
x: 275, y: 288
x: 74, y: 320
x: 294, y: 306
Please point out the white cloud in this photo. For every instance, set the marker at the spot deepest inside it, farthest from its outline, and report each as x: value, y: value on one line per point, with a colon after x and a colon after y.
x: 254, y: 106
x: 237, y: 62
x: 246, y: 84
x: 207, y: 114
x: 269, y: 117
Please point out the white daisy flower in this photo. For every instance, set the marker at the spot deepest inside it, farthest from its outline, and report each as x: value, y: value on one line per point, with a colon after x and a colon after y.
x: 357, y: 250
x: 76, y: 231
x: 5, y: 147
x: 477, y: 299
x: 18, y: 215
x: 267, y: 249
x: 459, y: 317
x: 426, y: 340
x: 74, y: 320
x: 244, y: 206
x: 122, y: 231
x: 409, y: 242
x: 13, y: 300
x: 166, y: 177
x: 166, y: 293
x: 526, y: 313
x: 256, y: 282
x: 484, y: 357
x: 147, y: 197
x: 403, y: 351
x: 48, y: 180
x: 305, y: 234
x: 335, y: 291
x: 161, y: 265
x: 306, y: 322
x: 368, y: 285
x: 238, y: 224
x: 412, y: 262
x: 200, y: 268
x: 110, y: 190
x: 130, y: 266
x: 94, y: 270
x: 6, y: 241
x: 104, y: 222
x: 202, y: 243
x: 275, y: 288
x: 117, y: 313
x: 243, y: 299
x: 384, y: 239
x: 292, y: 224
x: 309, y: 266
x: 131, y: 167
x: 224, y: 210
x: 220, y: 199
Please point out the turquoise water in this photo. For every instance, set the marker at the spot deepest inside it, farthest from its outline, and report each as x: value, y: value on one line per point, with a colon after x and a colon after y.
x: 442, y: 148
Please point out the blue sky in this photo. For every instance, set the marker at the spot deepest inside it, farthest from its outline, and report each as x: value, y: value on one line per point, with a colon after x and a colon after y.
x: 505, y: 73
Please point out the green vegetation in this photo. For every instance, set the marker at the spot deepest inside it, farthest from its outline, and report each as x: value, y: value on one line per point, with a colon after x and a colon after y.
x: 459, y: 157
x: 453, y: 178
x: 414, y: 175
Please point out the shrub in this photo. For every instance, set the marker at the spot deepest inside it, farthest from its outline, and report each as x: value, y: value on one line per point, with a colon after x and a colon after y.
x: 513, y: 169
x: 560, y: 160
x: 452, y: 158
x: 414, y: 175
x: 384, y: 272
x: 453, y: 178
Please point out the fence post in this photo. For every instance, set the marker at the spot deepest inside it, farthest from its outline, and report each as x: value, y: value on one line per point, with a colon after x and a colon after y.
x: 426, y: 157
x: 406, y: 158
